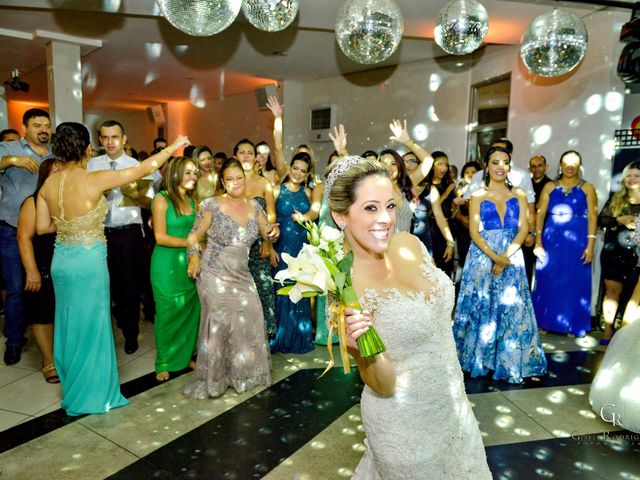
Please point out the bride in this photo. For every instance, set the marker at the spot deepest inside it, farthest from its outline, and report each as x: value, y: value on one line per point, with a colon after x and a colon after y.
x: 416, y: 415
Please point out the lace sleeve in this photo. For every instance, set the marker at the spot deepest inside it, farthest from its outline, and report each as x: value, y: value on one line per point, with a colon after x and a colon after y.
x: 427, y: 261
x: 606, y: 218
x: 204, y: 217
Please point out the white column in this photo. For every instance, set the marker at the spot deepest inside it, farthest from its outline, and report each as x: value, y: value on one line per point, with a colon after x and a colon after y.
x: 64, y: 78
x: 4, y: 116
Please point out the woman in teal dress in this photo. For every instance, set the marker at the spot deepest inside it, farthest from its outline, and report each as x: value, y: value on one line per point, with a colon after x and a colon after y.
x: 177, y: 304
x: 71, y: 203
x: 293, y: 199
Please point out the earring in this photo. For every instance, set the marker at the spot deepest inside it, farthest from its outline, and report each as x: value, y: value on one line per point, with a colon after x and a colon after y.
x: 341, y: 227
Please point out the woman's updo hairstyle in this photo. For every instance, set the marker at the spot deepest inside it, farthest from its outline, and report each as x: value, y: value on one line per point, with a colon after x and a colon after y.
x: 70, y: 142
x: 343, y: 190
x: 230, y: 162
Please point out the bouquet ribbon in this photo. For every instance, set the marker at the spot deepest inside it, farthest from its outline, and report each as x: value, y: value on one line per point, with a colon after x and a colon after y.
x: 338, y: 324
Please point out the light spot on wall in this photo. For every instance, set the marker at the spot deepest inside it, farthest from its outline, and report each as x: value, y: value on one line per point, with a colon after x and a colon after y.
x: 111, y: 6
x: 151, y: 76
x: 608, y: 148
x: 420, y: 132
x: 573, y: 142
x: 435, y: 81
x: 574, y: 123
x: 154, y: 50
x: 542, y: 134
x: 181, y: 49
x: 196, y: 96
x: 593, y: 104
x: 613, y: 101
x: 431, y: 113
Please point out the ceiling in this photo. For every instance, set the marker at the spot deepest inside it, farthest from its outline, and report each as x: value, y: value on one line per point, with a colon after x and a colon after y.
x: 144, y: 60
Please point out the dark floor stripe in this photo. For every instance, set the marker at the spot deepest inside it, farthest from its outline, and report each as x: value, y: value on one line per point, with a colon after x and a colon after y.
x: 598, y: 456
x: 254, y: 437
x: 36, y: 427
x: 564, y: 368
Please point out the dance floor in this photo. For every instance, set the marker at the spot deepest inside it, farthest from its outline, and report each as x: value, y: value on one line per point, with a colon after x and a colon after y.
x: 302, y: 427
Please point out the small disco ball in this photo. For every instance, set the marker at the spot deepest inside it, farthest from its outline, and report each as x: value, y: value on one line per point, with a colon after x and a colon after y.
x: 201, y: 18
x: 369, y: 31
x: 461, y: 26
x: 270, y: 15
x: 554, y: 43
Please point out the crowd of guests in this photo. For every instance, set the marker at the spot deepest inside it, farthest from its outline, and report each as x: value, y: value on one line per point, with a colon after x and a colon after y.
x: 197, y: 239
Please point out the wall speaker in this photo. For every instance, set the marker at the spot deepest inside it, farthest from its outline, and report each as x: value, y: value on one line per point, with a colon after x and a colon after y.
x: 263, y: 93
x: 322, y: 119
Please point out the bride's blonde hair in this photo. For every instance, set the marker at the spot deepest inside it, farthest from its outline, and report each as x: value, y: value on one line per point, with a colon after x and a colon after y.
x: 342, y: 194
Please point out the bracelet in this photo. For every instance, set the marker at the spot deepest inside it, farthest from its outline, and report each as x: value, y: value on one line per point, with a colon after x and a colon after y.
x: 592, y: 236
x: 193, y: 250
x: 343, y: 154
x: 451, y: 244
x: 411, y: 144
x: 533, y: 234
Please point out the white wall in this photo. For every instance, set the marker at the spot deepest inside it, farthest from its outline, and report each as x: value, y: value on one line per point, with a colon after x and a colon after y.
x: 578, y: 111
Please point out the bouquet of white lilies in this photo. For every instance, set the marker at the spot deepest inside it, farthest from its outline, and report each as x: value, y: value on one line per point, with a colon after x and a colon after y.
x: 322, y: 268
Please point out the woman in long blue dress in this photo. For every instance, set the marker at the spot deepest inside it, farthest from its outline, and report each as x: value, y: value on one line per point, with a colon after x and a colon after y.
x: 293, y: 199
x: 71, y: 202
x: 567, y: 222
x: 494, y: 326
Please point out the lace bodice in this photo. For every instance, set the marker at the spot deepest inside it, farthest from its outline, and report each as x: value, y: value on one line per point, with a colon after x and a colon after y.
x: 226, y: 233
x: 419, y: 317
x: 85, y: 229
x: 427, y: 428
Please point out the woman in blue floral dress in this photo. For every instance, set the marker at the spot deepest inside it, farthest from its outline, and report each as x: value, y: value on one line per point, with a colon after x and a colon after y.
x: 494, y: 326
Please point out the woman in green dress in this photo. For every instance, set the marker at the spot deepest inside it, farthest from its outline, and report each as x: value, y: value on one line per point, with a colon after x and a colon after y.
x: 177, y: 304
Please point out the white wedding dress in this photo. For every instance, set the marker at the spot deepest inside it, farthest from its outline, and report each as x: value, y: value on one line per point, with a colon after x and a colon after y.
x: 615, y: 391
x: 427, y: 430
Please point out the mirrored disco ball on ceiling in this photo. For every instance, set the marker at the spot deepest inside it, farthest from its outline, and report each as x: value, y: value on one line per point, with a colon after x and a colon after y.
x: 369, y: 31
x: 270, y: 15
x: 554, y: 43
x: 200, y: 17
x: 461, y: 26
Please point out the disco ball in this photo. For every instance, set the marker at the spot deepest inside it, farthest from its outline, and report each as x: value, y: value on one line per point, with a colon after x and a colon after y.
x: 270, y: 15
x: 461, y: 26
x: 200, y: 17
x: 554, y: 43
x: 369, y: 31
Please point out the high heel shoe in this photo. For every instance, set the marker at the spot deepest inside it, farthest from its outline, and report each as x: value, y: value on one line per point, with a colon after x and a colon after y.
x: 606, y: 341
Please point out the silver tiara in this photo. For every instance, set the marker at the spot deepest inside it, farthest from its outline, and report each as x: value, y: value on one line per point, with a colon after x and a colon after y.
x: 342, y: 165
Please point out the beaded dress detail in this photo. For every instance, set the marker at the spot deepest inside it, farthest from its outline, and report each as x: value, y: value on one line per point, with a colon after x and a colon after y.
x: 427, y: 429
x: 85, y: 229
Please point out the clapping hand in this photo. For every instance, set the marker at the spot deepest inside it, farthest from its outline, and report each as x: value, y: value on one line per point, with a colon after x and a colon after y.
x: 400, y: 133
x: 274, y: 105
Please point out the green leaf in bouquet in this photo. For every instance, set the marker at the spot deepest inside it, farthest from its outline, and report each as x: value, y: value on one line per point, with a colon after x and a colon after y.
x: 309, y: 294
x: 285, y: 290
x: 333, y: 270
x: 340, y: 279
x: 346, y: 263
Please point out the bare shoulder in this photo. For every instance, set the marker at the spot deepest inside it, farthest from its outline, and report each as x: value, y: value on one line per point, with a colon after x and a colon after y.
x: 519, y: 193
x: 548, y: 188
x: 405, y: 246
x: 589, y: 188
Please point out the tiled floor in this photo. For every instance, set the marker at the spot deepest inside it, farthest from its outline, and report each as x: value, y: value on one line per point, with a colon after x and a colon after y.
x: 301, y: 428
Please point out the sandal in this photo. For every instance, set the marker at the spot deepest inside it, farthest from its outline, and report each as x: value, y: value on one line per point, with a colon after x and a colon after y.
x: 162, y: 376
x: 50, y: 373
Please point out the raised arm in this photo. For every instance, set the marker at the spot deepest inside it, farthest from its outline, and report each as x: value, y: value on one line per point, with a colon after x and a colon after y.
x: 104, y: 180
x: 26, y: 232
x: 339, y: 139
x: 278, y: 132
x: 401, y: 135
x: 159, y: 213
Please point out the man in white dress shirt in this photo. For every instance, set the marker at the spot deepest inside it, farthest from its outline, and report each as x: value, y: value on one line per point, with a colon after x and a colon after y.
x: 123, y: 228
x: 519, y: 178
